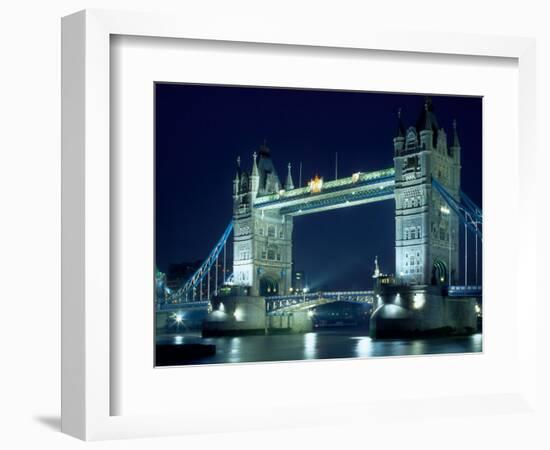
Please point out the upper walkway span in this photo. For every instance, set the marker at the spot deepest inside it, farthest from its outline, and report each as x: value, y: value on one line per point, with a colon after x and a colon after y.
x: 360, y: 188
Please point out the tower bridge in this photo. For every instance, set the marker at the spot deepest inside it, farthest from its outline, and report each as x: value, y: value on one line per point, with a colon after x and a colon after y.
x: 430, y: 210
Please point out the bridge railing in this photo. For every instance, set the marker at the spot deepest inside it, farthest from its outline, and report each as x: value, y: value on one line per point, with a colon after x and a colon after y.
x: 464, y: 291
x: 185, y: 305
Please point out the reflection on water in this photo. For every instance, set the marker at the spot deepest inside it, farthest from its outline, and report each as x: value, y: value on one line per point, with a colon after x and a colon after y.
x: 324, y: 344
x: 310, y: 346
x: 363, y: 347
x: 235, y: 350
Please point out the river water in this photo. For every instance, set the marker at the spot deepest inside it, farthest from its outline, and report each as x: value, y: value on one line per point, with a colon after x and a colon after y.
x: 320, y: 344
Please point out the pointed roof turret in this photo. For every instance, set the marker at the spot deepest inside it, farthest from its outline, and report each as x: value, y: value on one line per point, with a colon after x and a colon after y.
x: 456, y: 142
x: 267, y: 174
x: 239, y: 171
x: 427, y: 119
x: 264, y: 150
x: 289, y: 183
x: 255, y: 165
x: 400, y: 125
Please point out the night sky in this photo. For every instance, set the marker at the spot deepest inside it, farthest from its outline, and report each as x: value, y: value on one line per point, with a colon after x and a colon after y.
x: 200, y: 131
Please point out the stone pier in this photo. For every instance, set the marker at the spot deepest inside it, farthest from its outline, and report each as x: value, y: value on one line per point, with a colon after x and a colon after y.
x: 239, y: 313
x: 234, y: 315
x: 294, y: 322
x: 411, y: 311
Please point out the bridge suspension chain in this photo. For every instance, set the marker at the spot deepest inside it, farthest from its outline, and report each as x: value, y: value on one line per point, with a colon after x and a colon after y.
x: 188, y: 291
x: 471, y: 216
x: 466, y: 210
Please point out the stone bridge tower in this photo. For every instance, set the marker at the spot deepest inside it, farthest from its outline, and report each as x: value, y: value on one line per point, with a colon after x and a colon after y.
x: 262, y: 244
x: 426, y: 233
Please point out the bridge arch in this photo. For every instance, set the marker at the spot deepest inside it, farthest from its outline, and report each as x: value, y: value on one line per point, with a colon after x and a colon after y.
x: 439, y: 273
x: 269, y: 286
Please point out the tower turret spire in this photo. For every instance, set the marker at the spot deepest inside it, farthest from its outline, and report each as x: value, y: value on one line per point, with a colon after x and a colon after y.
x: 427, y: 126
x: 427, y: 120
x: 399, y: 138
x: 400, y: 126
x: 456, y: 142
x: 289, y: 183
x: 237, y: 179
x: 238, y: 171
x: 255, y: 165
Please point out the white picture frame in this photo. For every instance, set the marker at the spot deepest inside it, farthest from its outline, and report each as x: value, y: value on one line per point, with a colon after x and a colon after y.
x: 86, y: 245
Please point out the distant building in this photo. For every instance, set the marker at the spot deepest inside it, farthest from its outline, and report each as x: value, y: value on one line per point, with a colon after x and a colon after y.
x: 160, y: 286
x: 299, y: 281
x: 179, y: 273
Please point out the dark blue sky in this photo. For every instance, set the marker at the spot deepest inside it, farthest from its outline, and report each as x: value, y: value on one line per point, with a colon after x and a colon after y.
x: 200, y: 130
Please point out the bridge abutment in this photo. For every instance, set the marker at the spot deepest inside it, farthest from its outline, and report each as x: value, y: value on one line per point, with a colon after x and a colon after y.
x: 294, y: 322
x: 416, y: 311
x: 236, y: 314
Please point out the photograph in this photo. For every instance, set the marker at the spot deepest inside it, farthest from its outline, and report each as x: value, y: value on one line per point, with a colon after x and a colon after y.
x: 304, y: 224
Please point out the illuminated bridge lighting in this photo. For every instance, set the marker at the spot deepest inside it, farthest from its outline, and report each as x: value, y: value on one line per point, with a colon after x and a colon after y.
x: 316, y: 184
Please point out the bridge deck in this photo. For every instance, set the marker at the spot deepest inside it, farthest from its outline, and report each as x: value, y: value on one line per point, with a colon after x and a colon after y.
x: 288, y: 303
x: 355, y: 190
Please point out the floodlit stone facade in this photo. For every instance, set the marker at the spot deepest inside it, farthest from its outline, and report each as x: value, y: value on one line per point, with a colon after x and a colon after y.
x: 262, y: 249
x: 426, y: 233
